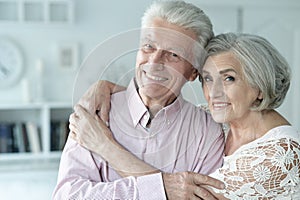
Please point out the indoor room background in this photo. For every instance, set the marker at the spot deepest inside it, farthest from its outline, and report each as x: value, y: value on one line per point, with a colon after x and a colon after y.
x: 47, y: 41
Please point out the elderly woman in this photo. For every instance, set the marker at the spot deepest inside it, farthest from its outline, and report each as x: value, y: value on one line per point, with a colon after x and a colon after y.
x: 244, y: 80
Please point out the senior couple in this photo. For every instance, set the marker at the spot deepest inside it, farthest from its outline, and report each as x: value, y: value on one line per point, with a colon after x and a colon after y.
x: 159, y: 146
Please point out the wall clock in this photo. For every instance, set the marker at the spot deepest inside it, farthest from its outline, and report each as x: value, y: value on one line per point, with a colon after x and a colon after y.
x: 11, y: 63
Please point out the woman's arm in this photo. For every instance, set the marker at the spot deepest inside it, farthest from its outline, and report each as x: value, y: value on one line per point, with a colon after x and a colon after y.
x: 97, y: 98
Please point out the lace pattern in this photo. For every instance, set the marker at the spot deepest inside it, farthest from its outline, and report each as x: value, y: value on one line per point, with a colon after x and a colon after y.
x: 264, y: 170
x: 267, y: 168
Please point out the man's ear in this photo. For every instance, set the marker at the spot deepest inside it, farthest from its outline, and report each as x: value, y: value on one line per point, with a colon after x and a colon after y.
x: 194, y: 74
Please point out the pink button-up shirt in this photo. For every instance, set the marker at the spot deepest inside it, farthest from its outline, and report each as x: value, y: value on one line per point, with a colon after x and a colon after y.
x: 182, y: 137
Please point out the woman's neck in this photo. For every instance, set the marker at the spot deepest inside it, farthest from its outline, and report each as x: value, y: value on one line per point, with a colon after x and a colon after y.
x: 256, y: 125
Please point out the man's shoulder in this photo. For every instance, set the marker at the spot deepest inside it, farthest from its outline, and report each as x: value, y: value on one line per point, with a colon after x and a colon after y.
x: 201, y: 110
x: 118, y: 96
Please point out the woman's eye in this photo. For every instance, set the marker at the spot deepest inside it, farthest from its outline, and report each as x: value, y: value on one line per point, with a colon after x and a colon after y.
x: 207, y: 79
x: 229, y: 78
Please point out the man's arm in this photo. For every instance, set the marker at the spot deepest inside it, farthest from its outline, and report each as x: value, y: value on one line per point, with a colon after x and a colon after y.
x: 93, y: 134
x: 81, y: 177
x: 97, y: 98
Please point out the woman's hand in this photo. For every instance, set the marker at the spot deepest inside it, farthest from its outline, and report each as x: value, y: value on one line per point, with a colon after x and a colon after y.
x: 190, y: 185
x: 97, y: 98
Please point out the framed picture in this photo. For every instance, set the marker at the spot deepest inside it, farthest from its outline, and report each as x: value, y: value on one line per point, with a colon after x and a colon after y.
x: 68, y: 56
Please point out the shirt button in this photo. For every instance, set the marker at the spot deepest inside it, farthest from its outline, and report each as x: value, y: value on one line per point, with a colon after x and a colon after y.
x: 168, y: 122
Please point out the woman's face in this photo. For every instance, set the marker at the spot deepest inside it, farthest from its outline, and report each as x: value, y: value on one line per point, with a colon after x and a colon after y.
x: 227, y: 92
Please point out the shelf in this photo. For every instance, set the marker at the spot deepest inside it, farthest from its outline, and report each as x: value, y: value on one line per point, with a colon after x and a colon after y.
x: 33, y: 133
x: 21, y: 157
x: 8, y: 11
x: 37, y: 11
x: 38, y: 105
x: 29, y: 161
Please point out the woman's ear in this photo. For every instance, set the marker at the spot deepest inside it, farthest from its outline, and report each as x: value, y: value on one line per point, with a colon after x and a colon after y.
x: 260, y: 95
x: 194, y: 74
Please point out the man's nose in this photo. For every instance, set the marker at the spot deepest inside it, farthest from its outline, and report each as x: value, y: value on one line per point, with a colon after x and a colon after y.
x: 157, y: 57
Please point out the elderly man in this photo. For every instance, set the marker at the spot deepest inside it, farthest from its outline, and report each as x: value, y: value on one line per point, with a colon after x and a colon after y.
x: 152, y: 120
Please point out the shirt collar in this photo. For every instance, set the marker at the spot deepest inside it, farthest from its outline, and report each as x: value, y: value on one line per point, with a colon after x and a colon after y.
x: 139, y: 112
x: 135, y: 104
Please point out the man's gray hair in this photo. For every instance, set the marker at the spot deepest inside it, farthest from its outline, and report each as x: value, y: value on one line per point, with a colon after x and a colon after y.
x: 182, y: 14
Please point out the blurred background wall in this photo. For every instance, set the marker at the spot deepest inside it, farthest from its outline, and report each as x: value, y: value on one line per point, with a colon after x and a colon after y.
x: 55, y: 36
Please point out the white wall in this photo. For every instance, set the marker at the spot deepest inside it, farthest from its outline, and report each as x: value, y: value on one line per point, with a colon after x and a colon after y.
x: 97, y: 20
x: 27, y: 185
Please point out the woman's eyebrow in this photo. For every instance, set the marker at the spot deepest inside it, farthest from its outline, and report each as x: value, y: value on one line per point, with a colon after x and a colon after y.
x: 227, y: 70
x: 221, y: 71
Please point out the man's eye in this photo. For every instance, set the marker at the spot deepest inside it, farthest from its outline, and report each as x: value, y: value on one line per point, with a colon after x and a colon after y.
x: 147, y: 47
x: 174, y: 54
x: 172, y: 57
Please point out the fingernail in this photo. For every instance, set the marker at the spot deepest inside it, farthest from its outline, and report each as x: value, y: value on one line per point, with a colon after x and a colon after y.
x: 107, y: 124
x: 222, y: 185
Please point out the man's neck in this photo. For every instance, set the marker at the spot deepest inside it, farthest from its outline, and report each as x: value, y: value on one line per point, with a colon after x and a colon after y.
x: 155, y: 105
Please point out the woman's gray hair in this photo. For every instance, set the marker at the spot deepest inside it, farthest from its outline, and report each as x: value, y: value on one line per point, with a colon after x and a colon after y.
x: 183, y: 14
x: 264, y: 67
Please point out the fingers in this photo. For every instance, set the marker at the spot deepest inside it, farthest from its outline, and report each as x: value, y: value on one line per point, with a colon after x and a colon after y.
x: 73, y: 128
x: 82, y: 113
x: 182, y: 185
x: 104, y: 115
x: 201, y: 188
x: 73, y: 136
x: 104, y: 107
x: 79, y: 110
x: 200, y: 179
x: 74, y: 132
x: 203, y: 193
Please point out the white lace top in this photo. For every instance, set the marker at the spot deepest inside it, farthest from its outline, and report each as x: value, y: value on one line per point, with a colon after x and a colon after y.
x: 267, y: 168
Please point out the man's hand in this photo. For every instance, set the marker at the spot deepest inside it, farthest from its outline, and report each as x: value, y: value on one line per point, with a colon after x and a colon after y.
x: 97, y: 98
x: 88, y: 130
x: 190, y: 185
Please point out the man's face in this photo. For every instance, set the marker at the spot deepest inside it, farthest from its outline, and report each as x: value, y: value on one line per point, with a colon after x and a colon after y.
x: 162, y: 63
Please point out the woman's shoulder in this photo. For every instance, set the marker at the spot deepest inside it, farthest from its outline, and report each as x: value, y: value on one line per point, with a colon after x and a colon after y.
x: 285, y: 131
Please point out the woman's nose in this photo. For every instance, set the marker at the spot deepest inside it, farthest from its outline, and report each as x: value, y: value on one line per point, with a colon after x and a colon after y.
x: 216, y: 89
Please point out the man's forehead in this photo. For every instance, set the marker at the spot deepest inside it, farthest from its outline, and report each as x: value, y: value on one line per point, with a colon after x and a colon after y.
x: 182, y: 44
x: 168, y: 37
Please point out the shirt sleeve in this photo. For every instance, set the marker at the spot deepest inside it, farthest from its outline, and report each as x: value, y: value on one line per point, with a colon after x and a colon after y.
x: 79, y: 177
x: 215, y: 153
x: 151, y: 187
x: 265, y: 171
x: 211, y: 151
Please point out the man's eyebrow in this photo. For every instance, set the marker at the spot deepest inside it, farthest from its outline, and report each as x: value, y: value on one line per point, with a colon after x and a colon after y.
x: 147, y: 38
x: 177, y: 50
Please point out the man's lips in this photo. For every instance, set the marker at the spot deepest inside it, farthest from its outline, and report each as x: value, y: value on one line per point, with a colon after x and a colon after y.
x: 154, y: 77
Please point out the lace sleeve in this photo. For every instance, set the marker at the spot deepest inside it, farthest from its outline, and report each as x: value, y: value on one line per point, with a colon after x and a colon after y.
x: 268, y: 170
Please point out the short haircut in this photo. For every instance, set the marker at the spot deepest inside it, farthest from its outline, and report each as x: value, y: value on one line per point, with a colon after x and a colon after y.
x: 183, y: 14
x: 263, y: 66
